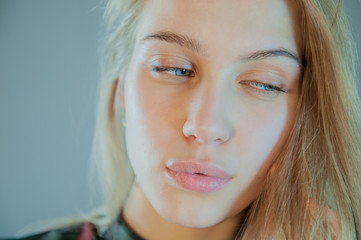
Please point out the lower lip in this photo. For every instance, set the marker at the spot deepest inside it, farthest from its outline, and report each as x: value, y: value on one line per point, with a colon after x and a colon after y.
x: 197, y: 182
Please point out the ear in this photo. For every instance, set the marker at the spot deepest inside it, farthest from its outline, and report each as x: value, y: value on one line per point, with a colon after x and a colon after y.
x: 120, y: 93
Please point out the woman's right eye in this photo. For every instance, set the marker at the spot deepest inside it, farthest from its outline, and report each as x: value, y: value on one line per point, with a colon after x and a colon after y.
x: 174, y: 72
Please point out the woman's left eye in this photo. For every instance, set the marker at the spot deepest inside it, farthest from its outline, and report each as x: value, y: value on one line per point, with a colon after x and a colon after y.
x: 264, y: 88
x: 178, y: 72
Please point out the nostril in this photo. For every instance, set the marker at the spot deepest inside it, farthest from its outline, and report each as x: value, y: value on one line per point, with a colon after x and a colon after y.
x: 215, y: 132
x: 192, y: 137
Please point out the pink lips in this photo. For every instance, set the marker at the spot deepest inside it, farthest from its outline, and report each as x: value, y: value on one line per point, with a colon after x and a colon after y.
x: 199, y: 177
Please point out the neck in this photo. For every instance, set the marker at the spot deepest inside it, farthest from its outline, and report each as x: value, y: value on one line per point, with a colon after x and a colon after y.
x: 147, y: 223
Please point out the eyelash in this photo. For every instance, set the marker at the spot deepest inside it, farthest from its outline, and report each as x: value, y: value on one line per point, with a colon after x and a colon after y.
x: 263, y: 87
x: 173, y: 69
x: 257, y: 86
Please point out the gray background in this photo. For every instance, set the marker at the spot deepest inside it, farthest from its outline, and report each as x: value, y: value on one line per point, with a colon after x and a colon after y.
x: 48, y: 74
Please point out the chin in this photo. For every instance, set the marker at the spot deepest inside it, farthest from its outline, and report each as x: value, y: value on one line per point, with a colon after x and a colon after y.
x: 190, y: 211
x: 200, y: 220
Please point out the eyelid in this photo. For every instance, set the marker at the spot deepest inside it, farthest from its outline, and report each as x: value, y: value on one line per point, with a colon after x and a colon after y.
x: 171, y: 61
x: 252, y: 83
x: 167, y: 72
x: 248, y: 84
x: 268, y: 77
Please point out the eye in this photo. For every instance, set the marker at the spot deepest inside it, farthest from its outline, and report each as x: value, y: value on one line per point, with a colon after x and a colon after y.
x: 263, y: 88
x: 177, y: 72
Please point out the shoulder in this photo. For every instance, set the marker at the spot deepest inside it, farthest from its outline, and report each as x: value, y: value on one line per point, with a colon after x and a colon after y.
x: 83, y: 231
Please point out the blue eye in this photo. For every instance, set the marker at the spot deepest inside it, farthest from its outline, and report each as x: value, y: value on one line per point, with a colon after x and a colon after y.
x: 179, y: 72
x: 265, y: 87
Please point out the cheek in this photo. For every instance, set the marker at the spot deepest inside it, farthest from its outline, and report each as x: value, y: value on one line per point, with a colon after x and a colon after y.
x: 153, y: 119
x: 262, y: 128
x: 257, y: 124
x: 260, y: 133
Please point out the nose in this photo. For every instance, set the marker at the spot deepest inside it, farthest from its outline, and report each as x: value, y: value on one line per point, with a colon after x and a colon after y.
x: 207, y: 118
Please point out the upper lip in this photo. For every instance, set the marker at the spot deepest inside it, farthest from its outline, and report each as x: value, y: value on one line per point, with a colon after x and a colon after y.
x: 193, y: 167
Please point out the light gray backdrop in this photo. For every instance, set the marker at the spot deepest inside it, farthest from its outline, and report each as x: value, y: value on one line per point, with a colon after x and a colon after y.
x: 48, y: 74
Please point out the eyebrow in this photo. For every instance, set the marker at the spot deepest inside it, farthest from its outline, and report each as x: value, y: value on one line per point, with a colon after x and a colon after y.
x: 196, y: 46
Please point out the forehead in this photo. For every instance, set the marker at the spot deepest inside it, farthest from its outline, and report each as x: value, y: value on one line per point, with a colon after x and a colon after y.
x: 226, y: 28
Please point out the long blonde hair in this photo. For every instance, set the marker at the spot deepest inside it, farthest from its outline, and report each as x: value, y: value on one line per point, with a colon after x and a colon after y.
x: 320, y: 164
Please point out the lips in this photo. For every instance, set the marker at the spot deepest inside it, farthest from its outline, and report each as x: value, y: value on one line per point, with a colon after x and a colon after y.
x: 197, y: 176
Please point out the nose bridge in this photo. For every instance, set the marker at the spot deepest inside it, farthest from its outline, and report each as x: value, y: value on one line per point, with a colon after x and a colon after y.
x: 208, y: 103
x: 207, y: 119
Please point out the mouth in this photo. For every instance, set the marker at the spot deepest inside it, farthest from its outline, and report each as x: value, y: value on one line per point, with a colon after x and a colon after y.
x: 198, y: 177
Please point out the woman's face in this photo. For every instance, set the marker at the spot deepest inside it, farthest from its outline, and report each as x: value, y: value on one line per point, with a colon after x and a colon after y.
x: 209, y: 98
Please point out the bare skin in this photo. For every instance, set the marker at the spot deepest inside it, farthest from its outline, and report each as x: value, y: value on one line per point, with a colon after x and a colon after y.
x: 229, y: 99
x: 152, y: 226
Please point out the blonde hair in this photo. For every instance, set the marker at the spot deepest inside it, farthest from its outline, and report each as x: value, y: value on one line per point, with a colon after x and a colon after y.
x: 320, y: 164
